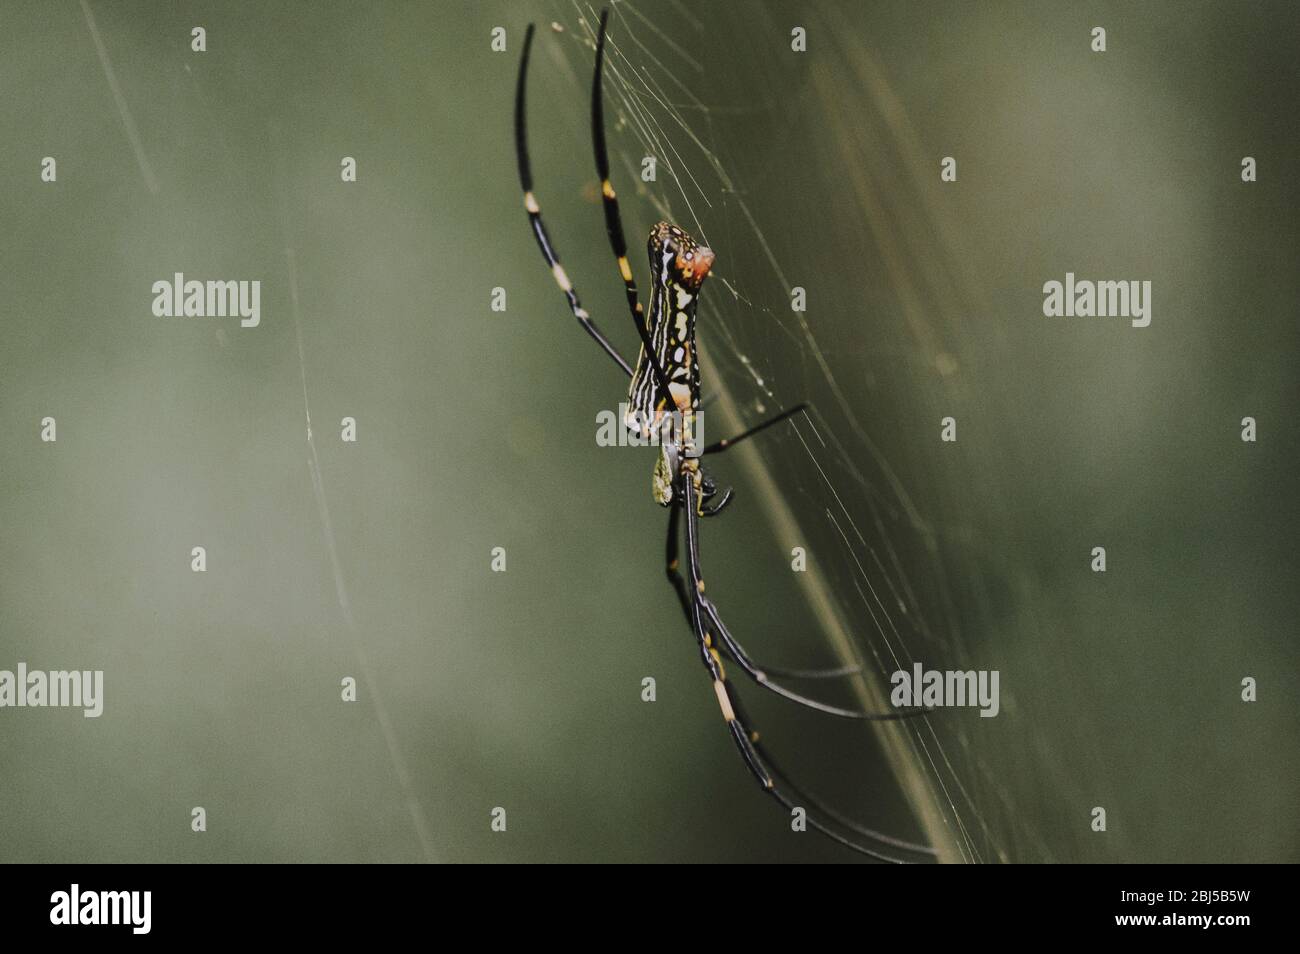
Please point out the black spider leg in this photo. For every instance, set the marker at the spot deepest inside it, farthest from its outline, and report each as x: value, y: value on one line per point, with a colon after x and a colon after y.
x: 673, y: 572
x: 672, y: 562
x: 614, y: 221
x: 704, y: 610
x: 810, y: 802
x: 762, y: 676
x: 817, y: 805
x: 713, y: 511
x: 535, y: 215
x: 719, y: 446
x: 674, y: 577
x: 809, y: 798
x: 742, y: 732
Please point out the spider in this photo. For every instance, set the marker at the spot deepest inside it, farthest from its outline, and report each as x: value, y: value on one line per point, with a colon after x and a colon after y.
x: 664, y: 395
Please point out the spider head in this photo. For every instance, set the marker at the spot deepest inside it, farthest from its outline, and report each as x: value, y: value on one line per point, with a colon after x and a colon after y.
x: 678, y: 258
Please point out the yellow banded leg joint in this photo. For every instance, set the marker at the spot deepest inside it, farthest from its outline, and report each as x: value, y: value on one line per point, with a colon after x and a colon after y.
x: 724, y: 702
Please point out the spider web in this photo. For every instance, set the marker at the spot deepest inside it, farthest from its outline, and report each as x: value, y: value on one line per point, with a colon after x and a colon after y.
x: 818, y: 170
x: 880, y: 586
x: 812, y: 170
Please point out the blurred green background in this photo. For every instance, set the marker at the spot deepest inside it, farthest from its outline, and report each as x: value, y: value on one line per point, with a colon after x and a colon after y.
x: 476, y: 428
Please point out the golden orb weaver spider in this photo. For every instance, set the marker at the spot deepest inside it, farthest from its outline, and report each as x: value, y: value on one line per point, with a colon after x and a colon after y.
x: 667, y: 375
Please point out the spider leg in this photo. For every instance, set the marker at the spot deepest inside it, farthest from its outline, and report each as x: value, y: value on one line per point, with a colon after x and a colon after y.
x: 719, y: 446
x: 679, y: 587
x: 838, y: 672
x: 742, y: 733
x: 535, y: 215
x: 810, y: 802
x: 614, y: 221
x: 709, y: 490
x: 762, y: 675
x: 705, y: 611
x: 673, y: 564
x: 713, y: 511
